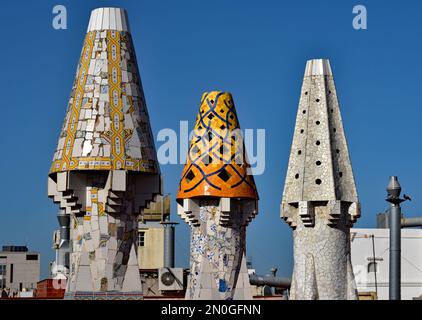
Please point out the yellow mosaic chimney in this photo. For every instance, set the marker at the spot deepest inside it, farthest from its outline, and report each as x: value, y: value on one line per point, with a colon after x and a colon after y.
x: 107, y: 124
x: 105, y: 171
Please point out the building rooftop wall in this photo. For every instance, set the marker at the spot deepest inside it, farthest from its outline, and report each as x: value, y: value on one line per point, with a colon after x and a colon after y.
x: 362, y: 249
x: 14, y: 249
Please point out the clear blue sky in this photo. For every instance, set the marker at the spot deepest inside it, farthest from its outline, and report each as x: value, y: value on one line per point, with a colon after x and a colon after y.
x: 255, y: 49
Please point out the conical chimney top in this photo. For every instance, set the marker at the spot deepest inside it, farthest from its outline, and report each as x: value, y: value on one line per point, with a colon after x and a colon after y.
x: 107, y: 125
x: 217, y: 164
x: 319, y: 166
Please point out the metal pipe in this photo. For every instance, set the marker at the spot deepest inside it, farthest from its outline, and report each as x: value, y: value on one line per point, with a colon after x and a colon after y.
x: 375, y: 264
x: 168, y: 244
x: 276, y: 282
x: 411, y: 222
x: 394, y: 190
x: 63, y: 250
x: 395, y: 252
x: 383, y: 220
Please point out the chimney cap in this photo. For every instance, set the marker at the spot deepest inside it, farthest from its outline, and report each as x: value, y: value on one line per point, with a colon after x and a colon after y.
x: 393, y: 188
x: 108, y: 19
x: 318, y: 67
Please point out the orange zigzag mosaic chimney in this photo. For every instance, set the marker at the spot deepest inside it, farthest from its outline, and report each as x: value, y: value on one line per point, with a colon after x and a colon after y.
x: 217, y: 197
x: 217, y: 164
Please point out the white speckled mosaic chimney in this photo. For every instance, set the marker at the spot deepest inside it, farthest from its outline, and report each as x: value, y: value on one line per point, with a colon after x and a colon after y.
x: 105, y: 171
x: 320, y: 201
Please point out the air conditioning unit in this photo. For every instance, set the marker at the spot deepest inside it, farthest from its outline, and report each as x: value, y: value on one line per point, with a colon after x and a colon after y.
x: 170, y: 279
